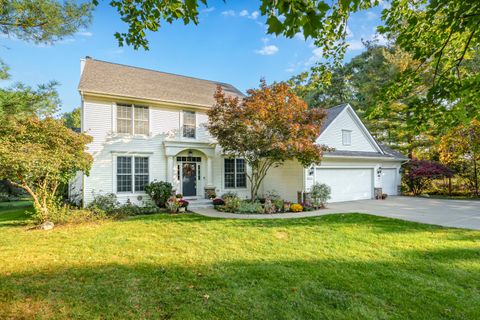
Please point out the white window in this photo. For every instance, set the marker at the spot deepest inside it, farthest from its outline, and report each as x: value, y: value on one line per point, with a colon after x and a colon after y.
x: 346, y: 137
x: 132, y: 119
x: 132, y: 173
x: 189, y: 124
x: 235, y: 175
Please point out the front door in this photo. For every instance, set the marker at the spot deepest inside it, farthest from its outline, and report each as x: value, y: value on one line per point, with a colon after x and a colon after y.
x: 189, y: 179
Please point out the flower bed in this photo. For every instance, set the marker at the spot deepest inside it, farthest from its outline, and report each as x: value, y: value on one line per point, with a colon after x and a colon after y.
x: 270, y: 204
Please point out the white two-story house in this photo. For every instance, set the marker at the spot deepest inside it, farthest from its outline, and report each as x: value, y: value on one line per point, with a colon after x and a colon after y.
x: 149, y: 125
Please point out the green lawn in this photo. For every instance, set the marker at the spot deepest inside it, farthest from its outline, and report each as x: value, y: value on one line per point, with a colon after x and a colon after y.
x: 187, y: 266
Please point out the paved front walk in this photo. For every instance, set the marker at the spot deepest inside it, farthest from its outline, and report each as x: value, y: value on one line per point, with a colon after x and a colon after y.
x: 448, y: 213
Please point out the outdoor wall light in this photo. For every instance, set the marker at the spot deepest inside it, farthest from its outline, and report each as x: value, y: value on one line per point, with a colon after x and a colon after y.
x: 310, y: 171
x: 190, y: 153
x: 400, y: 170
x: 379, y: 170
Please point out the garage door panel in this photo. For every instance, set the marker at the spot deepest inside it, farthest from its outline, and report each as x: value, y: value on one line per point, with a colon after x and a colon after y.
x: 347, y: 184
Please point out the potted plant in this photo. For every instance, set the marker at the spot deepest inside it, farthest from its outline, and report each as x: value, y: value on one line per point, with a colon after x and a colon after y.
x: 172, y: 205
x: 212, y: 195
x: 183, y: 205
x: 286, y: 206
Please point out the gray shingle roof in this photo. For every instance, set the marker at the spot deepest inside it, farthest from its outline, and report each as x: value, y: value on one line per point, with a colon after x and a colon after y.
x: 120, y: 80
x: 393, y: 153
x: 332, y: 113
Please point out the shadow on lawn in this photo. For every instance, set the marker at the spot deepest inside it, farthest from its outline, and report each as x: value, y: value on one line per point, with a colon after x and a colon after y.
x: 14, y: 216
x: 258, y: 289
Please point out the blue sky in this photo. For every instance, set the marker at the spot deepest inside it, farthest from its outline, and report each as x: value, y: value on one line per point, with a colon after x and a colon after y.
x: 229, y: 45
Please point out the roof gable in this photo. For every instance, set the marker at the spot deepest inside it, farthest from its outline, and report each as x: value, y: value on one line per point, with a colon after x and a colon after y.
x: 341, y: 118
x: 106, y: 78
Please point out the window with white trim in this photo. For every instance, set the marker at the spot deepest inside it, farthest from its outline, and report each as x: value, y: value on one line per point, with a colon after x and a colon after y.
x: 346, y: 137
x: 235, y: 173
x: 132, y: 119
x: 132, y: 173
x: 189, y: 124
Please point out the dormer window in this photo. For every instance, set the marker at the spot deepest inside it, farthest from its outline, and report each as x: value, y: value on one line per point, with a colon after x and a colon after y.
x: 189, y: 124
x: 346, y: 137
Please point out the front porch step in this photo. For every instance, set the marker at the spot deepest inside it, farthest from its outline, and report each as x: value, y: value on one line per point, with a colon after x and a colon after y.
x: 199, y: 203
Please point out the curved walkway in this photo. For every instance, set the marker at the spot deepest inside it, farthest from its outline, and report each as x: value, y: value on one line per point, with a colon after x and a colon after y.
x: 447, y: 213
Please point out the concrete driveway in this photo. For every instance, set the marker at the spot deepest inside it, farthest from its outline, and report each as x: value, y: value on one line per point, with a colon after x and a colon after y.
x: 448, y: 213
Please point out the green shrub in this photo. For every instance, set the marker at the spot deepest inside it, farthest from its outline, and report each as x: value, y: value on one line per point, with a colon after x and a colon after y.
x: 278, y: 204
x: 107, y: 203
x: 320, y: 194
x: 231, y: 204
x: 250, y: 207
x: 159, y: 192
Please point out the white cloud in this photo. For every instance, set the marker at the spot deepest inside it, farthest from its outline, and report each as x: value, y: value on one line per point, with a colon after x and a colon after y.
x: 254, y: 15
x: 355, y: 45
x: 316, y: 55
x: 381, y: 39
x: 371, y: 15
x: 299, y: 36
x: 84, y: 33
x: 207, y: 10
x: 290, y: 70
x: 228, y: 13
x: 268, y: 50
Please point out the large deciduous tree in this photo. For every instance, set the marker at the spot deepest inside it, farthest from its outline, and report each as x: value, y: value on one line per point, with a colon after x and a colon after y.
x: 460, y: 149
x: 266, y: 128
x: 21, y: 101
x: 73, y: 118
x: 38, y: 155
x: 43, y: 21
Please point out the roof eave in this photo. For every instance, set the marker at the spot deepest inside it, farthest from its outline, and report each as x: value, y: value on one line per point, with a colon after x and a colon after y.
x: 142, y: 100
x: 362, y: 157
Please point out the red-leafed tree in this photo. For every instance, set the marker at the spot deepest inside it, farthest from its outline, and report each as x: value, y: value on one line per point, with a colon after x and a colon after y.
x: 420, y: 173
x: 268, y: 127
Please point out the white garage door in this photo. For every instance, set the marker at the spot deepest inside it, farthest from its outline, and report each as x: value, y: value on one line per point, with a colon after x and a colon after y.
x: 389, y: 177
x: 347, y: 184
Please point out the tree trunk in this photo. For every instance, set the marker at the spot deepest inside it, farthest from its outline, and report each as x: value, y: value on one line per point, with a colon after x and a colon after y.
x: 475, y: 176
x: 36, y: 201
x: 449, y: 186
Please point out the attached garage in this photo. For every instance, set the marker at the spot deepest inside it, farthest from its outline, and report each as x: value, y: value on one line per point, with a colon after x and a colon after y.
x: 347, y: 184
x: 389, y: 181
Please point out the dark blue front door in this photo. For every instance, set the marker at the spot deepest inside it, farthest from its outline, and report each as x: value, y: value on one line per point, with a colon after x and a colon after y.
x: 189, y: 179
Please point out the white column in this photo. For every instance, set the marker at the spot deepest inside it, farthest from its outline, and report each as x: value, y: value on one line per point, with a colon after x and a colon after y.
x: 170, y: 169
x: 209, y: 172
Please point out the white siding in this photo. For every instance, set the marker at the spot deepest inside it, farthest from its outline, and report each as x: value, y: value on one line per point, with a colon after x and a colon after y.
x: 100, y: 122
x: 332, y: 135
x: 286, y: 180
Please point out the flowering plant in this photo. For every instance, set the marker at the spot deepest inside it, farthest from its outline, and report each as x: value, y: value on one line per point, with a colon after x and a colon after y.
x: 183, y: 203
x: 296, y: 207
